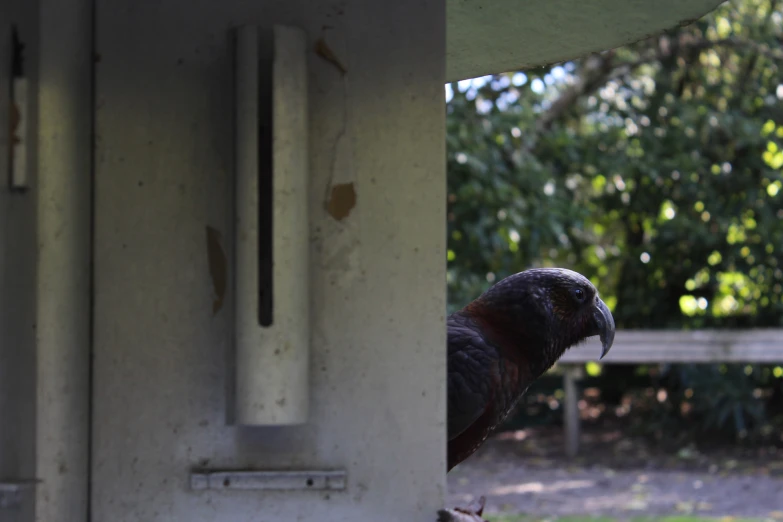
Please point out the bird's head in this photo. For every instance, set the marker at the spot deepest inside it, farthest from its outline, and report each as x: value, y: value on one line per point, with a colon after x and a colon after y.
x: 545, y: 309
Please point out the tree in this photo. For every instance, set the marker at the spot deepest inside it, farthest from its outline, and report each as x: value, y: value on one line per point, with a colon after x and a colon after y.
x: 654, y: 169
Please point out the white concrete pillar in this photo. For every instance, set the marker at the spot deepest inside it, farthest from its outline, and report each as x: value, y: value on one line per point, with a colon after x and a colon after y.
x: 63, y: 290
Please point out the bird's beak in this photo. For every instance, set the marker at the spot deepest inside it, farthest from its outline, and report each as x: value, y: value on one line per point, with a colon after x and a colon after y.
x: 604, y: 325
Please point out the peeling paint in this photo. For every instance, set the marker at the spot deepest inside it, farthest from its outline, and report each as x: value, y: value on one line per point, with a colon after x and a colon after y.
x: 18, y: 116
x: 15, y: 119
x: 338, y: 239
x: 341, y: 201
x: 18, y: 122
x: 218, y: 268
x: 325, y: 52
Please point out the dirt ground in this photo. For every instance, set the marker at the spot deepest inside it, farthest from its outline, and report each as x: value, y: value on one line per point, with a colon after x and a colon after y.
x: 527, y: 472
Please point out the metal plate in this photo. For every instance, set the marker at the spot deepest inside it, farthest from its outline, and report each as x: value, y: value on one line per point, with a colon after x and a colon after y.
x: 287, y: 480
x: 11, y: 492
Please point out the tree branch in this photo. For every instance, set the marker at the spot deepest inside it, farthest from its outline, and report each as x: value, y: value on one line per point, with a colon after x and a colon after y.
x: 601, y: 68
x: 597, y: 70
x: 687, y: 44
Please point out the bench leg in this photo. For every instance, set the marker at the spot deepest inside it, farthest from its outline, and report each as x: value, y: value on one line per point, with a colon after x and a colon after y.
x: 571, y: 409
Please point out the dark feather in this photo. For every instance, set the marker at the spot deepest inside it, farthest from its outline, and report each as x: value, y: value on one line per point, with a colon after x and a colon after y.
x: 504, y: 340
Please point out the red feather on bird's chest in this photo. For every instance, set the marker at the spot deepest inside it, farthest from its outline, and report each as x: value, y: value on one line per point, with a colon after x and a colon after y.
x: 507, y: 335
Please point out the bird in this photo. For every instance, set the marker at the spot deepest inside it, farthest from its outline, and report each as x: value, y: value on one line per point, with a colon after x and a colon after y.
x: 472, y: 513
x: 505, y: 339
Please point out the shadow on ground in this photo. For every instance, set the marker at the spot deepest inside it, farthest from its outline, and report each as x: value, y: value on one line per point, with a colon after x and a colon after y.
x: 527, y: 472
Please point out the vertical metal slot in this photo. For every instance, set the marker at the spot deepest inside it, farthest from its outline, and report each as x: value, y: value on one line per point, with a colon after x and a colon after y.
x: 266, y: 171
x: 272, y: 322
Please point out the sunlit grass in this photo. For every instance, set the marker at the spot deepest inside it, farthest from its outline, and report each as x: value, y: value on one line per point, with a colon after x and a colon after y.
x: 681, y: 518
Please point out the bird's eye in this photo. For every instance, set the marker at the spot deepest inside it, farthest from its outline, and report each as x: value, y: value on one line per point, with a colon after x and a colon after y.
x: 579, y: 294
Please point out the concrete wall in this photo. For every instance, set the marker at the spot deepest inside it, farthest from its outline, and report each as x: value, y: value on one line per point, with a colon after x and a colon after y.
x: 116, y: 332
x: 163, y: 167
x: 18, y: 254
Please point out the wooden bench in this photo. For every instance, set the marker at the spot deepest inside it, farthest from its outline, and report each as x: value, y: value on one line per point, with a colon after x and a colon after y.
x: 664, y: 346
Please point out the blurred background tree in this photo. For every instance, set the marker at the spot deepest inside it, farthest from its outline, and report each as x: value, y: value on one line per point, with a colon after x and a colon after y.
x: 653, y: 169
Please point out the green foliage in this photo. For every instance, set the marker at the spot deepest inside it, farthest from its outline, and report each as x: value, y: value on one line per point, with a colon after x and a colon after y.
x: 655, y: 169
x: 724, y: 397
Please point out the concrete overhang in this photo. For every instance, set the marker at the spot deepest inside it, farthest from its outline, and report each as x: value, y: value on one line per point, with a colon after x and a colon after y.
x: 494, y: 36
